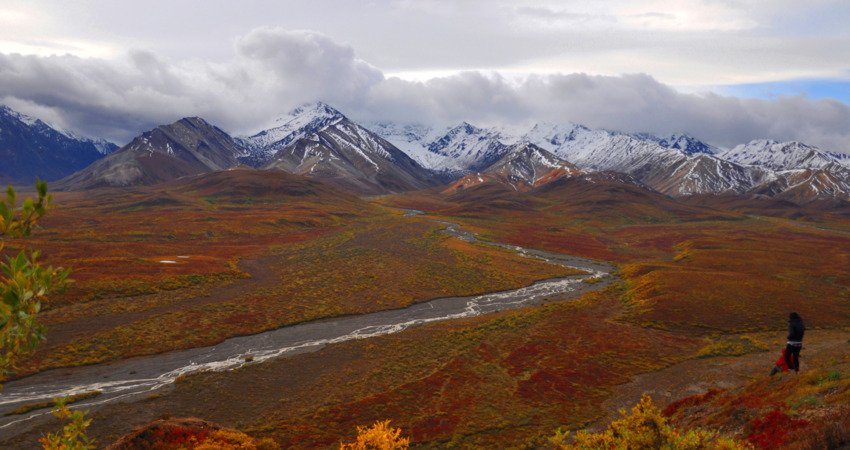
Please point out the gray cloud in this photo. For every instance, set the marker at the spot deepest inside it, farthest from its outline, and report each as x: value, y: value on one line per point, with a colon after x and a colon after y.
x: 274, y: 70
x: 551, y: 15
x: 629, y: 103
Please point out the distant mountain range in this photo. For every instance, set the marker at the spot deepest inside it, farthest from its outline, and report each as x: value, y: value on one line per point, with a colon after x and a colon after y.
x: 675, y: 165
x: 31, y: 148
x: 318, y: 141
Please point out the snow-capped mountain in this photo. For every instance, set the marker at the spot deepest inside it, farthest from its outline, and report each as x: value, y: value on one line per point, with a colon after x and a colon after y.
x: 675, y: 165
x: 803, y: 186
x: 780, y: 155
x: 449, y: 152
x: 318, y: 141
x: 469, y: 149
x: 679, y: 141
x: 704, y: 174
x: 347, y: 155
x: 301, y: 122
x: 30, y: 147
x: 189, y: 146
x: 412, y: 139
x: 524, y: 167
x: 569, y: 141
x: 682, y: 166
x: 842, y: 158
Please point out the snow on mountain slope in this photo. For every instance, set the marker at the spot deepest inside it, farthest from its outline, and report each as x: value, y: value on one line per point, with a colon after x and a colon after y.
x: 703, y: 174
x: 842, y: 158
x: 779, y: 155
x: 569, y: 141
x: 412, y: 139
x: 650, y: 159
x: 524, y: 167
x: 679, y: 141
x: 352, y: 157
x: 803, y: 186
x: 675, y: 164
x: 301, y: 122
x: 467, y: 148
x: 30, y: 147
x: 48, y: 129
x: 189, y: 146
x: 669, y: 170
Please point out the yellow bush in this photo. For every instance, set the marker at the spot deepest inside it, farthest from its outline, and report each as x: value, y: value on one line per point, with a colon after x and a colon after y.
x: 645, y: 428
x: 234, y: 440
x: 379, y: 437
x: 732, y: 346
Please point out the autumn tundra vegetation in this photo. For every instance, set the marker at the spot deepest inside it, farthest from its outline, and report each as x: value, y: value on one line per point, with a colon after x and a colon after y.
x: 250, y: 251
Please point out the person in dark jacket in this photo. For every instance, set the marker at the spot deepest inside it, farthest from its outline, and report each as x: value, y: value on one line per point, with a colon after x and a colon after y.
x: 796, y: 329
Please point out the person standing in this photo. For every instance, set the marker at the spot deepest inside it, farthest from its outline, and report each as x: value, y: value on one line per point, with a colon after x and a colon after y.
x: 796, y: 329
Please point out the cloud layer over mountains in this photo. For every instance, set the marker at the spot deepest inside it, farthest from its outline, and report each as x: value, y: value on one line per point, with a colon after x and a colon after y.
x: 274, y: 70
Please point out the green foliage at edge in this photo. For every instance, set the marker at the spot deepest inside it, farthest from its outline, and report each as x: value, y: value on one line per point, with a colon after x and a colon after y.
x: 23, y: 282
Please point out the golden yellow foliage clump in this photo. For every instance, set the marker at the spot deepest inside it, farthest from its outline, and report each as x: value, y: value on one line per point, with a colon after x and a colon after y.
x: 73, y: 435
x: 224, y: 439
x: 378, y: 437
x: 645, y: 428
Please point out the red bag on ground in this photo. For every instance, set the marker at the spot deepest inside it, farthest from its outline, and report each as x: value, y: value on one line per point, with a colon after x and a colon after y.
x: 781, y: 362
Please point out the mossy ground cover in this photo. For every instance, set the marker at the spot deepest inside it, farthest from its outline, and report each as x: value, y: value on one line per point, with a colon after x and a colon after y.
x: 508, y: 380
x: 354, y: 258
x: 702, y: 273
x: 809, y: 410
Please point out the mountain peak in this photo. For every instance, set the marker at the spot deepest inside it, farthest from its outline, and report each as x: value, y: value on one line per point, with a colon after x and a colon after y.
x: 30, y: 147
x: 189, y: 146
x: 306, y: 120
x: 28, y: 120
x: 679, y: 141
x: 465, y: 128
x: 313, y: 110
x: 774, y: 155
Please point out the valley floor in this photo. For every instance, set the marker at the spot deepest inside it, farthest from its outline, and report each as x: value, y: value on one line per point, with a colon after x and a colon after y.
x: 692, y: 280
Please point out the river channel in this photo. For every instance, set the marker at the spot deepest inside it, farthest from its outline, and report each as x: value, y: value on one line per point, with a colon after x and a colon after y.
x: 139, y: 376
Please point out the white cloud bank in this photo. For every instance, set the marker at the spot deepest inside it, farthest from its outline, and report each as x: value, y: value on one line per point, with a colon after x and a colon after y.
x: 275, y: 70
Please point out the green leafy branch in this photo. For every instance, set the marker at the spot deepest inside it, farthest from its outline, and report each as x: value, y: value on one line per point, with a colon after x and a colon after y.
x: 23, y: 282
x: 73, y: 435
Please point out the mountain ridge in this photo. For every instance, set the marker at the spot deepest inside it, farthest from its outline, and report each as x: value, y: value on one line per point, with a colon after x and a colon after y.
x: 331, y: 147
x: 189, y: 146
x: 319, y: 141
x: 31, y: 147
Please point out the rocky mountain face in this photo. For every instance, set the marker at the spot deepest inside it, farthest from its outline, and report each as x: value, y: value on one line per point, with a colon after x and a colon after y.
x: 522, y: 168
x: 313, y: 141
x: 302, y: 122
x: 31, y: 148
x: 189, y: 146
x: 798, y: 172
x: 330, y: 147
x: 781, y: 155
x: 320, y: 142
x: 675, y: 165
x: 679, y: 141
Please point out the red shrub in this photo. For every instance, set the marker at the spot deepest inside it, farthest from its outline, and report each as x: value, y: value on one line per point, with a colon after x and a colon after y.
x: 770, y: 431
x: 689, y: 402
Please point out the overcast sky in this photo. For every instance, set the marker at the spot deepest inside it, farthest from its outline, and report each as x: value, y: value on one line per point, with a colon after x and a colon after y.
x: 725, y: 71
